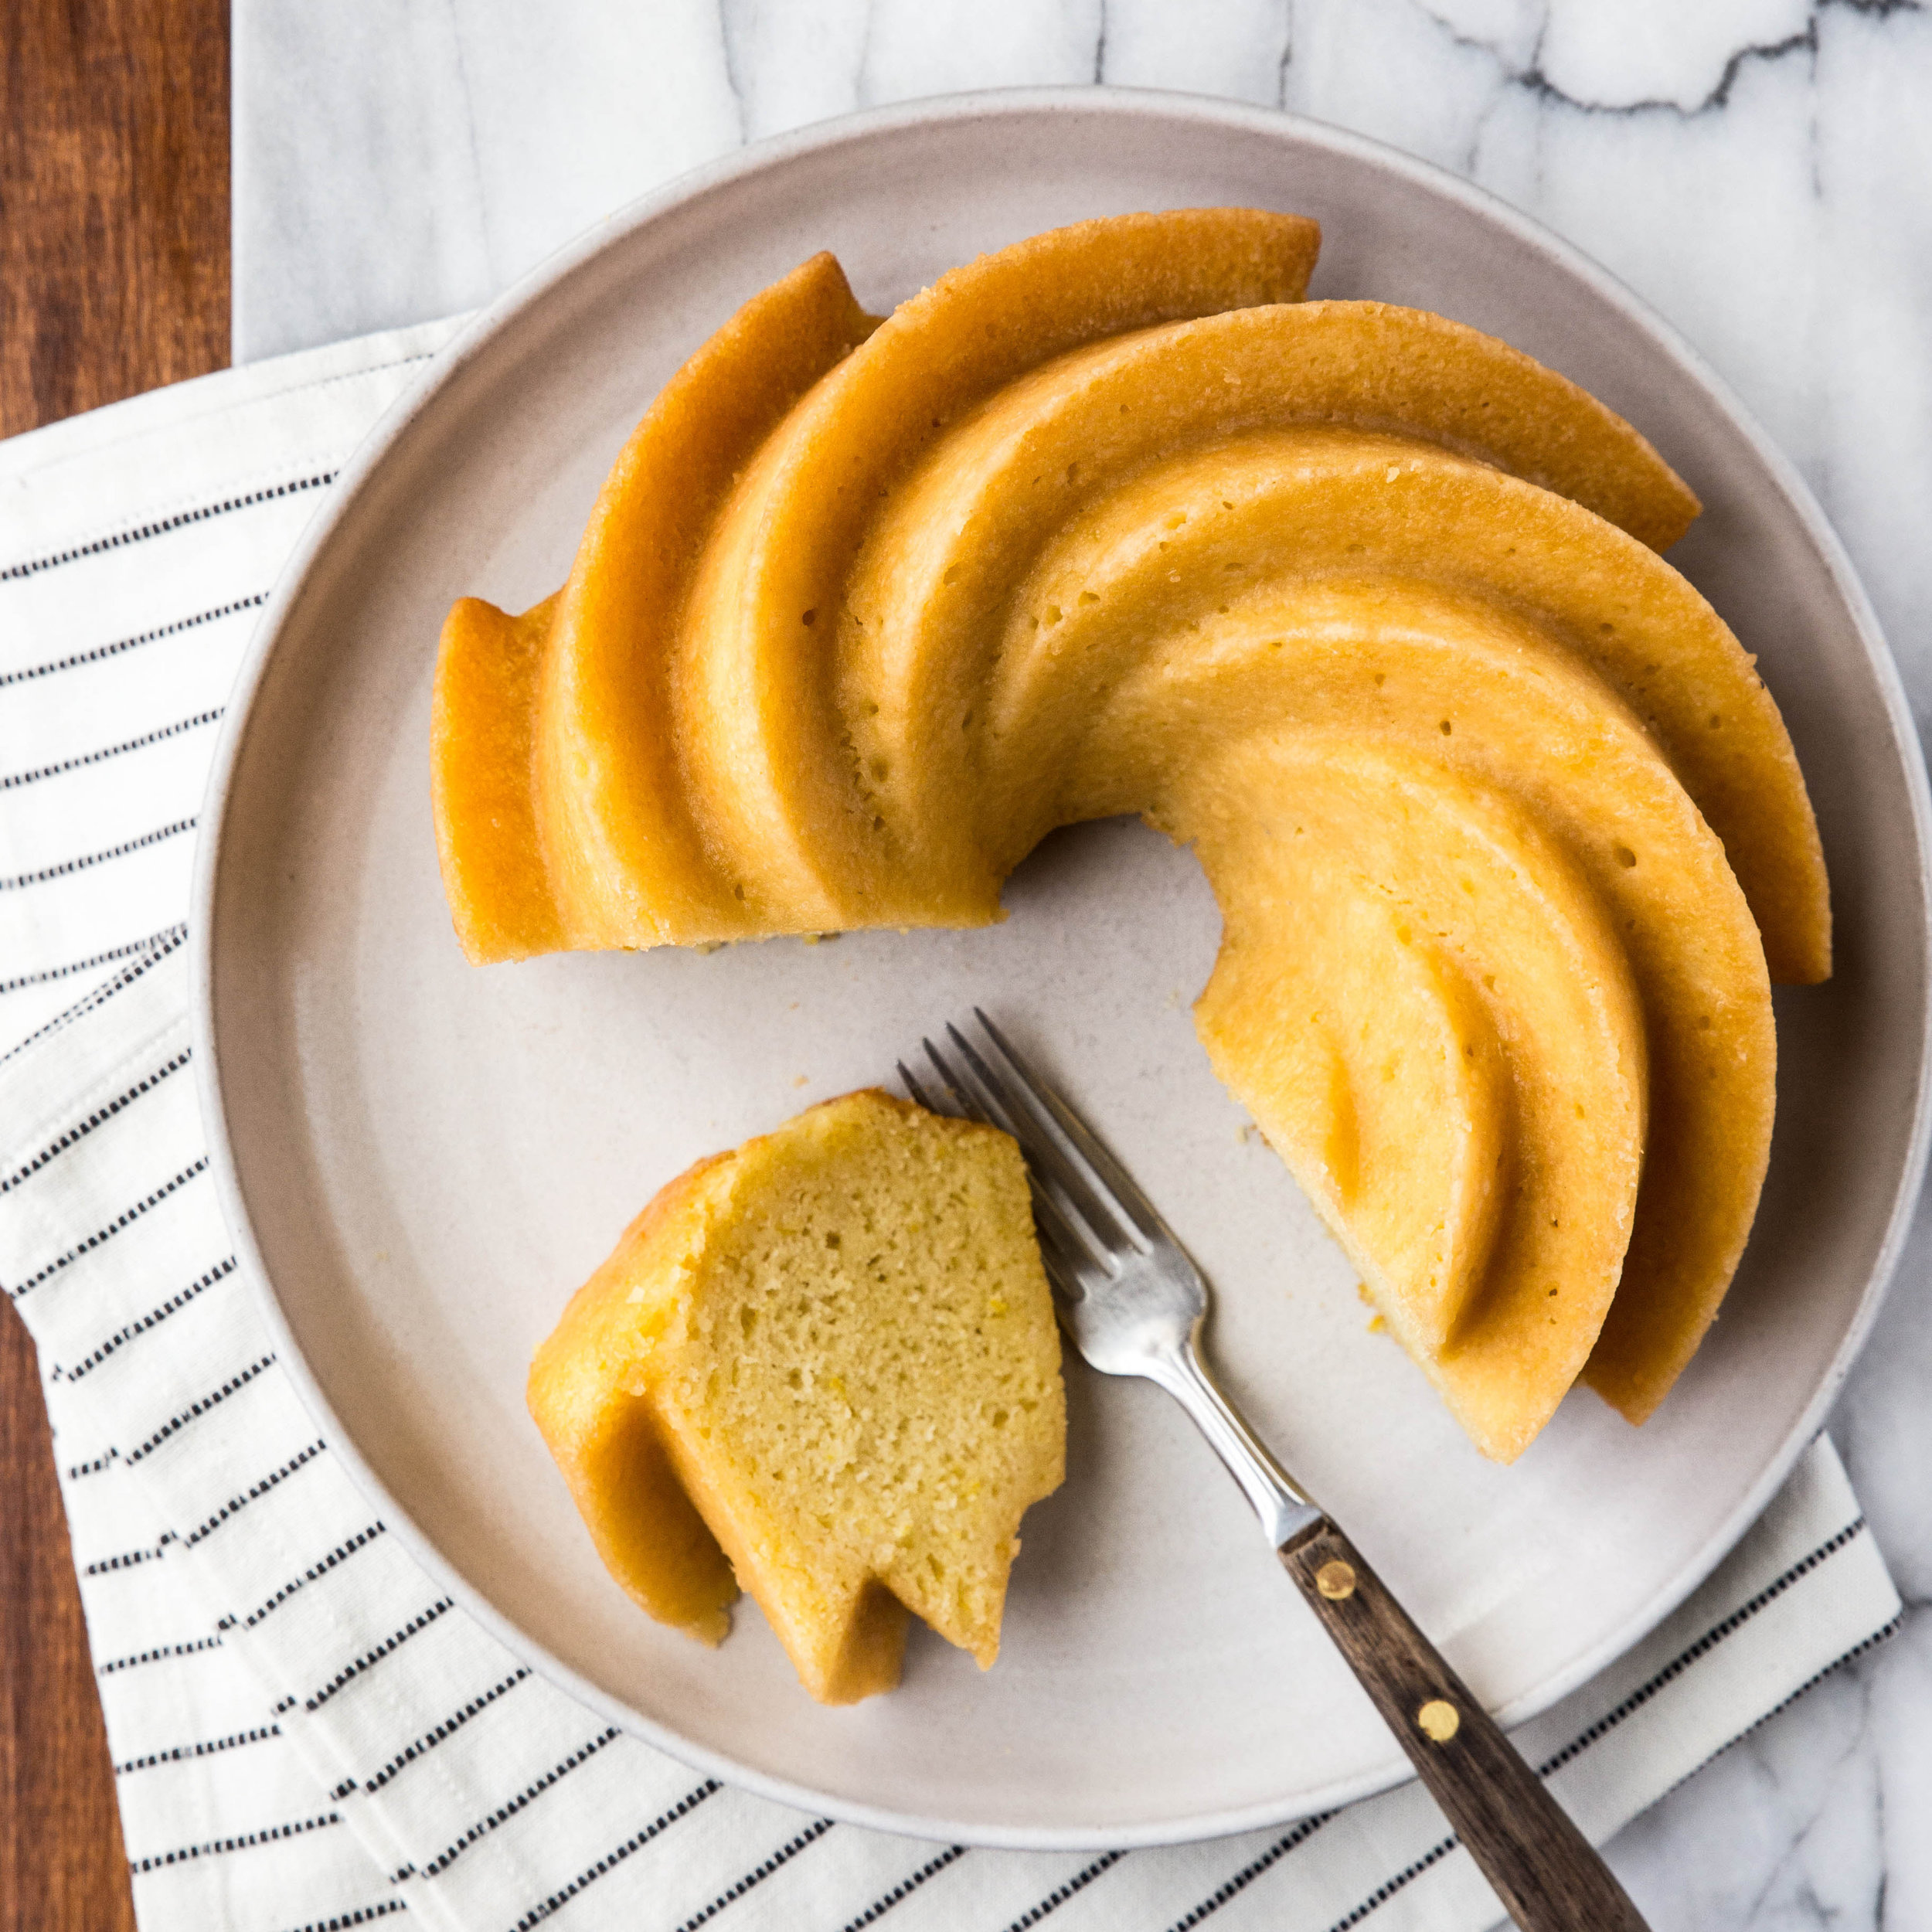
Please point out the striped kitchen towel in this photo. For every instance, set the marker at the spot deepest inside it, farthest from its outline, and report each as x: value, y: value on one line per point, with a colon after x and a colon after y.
x: 306, y: 1734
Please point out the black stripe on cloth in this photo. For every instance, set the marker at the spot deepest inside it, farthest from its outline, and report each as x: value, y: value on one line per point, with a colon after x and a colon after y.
x: 128, y: 1559
x: 390, y: 1645
x: 101, y: 1114
x: 484, y: 1826
x: 361, y: 1916
x: 28, y: 673
x: 125, y: 1218
x: 1708, y: 1641
x: 161, y: 526
x: 341, y: 1553
x: 182, y: 1752
x: 904, y: 1889
x: 157, y: 949
x: 201, y: 1406
x: 75, y: 1471
x: 784, y: 1855
x: 175, y: 934
x: 157, y: 1656
x: 68, y: 867
x: 12, y: 781
x: 121, y: 1337
x: 1061, y: 1893
x: 1389, y: 1888
x: 436, y: 1733
x: 268, y: 1835
x: 618, y: 1854
x: 1305, y: 1830
x: 254, y: 1489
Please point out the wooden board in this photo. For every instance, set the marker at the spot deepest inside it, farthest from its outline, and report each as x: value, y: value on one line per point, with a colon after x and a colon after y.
x: 113, y: 278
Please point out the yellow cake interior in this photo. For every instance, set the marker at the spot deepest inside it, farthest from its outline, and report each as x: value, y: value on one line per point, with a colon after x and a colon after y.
x: 824, y: 1368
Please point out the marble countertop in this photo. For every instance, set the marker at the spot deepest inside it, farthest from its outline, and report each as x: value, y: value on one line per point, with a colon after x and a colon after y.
x: 1760, y: 170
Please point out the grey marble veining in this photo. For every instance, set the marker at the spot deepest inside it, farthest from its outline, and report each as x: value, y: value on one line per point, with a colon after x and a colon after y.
x: 1760, y: 170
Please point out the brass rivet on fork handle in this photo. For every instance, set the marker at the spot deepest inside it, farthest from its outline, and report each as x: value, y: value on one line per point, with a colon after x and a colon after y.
x: 1335, y: 1581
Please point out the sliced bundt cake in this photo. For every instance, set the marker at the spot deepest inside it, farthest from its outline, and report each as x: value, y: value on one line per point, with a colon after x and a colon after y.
x: 1110, y: 520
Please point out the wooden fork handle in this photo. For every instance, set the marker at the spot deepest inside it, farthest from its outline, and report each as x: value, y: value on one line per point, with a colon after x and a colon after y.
x: 1543, y: 1869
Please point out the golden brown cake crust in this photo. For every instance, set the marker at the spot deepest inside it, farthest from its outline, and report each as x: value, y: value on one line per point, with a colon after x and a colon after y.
x: 560, y: 816
x: 1111, y: 522
x: 483, y: 717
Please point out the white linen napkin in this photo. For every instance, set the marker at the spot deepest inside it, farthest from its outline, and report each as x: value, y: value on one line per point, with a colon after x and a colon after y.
x: 306, y: 1734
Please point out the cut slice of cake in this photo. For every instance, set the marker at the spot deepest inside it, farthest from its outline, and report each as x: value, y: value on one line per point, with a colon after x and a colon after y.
x: 824, y: 1367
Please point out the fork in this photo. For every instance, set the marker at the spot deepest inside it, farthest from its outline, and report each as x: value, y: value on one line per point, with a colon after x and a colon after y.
x: 1133, y: 1303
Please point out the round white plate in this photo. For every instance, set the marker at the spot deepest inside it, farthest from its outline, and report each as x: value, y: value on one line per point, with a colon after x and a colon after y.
x: 422, y: 1160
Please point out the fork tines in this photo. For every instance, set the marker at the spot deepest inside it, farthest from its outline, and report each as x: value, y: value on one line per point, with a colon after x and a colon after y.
x: 1088, y: 1208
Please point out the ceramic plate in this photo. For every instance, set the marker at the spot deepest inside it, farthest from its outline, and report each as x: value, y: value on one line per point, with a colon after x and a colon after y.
x: 422, y: 1160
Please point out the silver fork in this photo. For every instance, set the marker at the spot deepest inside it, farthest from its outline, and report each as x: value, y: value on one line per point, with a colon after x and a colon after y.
x: 1133, y: 1303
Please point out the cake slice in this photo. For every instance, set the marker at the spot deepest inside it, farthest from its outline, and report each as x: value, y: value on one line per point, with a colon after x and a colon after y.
x: 823, y: 1367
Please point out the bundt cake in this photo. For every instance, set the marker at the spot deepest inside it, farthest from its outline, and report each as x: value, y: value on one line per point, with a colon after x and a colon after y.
x: 823, y: 1366
x: 1508, y: 836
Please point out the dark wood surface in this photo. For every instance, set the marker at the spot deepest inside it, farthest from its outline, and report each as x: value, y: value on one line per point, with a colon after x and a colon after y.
x: 1542, y: 1868
x: 113, y: 278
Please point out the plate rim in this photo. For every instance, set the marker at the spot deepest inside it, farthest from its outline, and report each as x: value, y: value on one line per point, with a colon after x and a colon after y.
x: 776, y: 152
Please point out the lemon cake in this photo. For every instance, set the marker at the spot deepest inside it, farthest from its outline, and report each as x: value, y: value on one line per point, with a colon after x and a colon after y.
x: 1366, y: 605
x: 822, y: 1367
